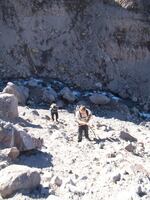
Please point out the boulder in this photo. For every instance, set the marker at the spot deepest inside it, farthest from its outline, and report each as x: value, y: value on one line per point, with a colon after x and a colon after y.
x: 9, y: 154
x: 8, y: 106
x: 60, y: 104
x: 49, y: 95
x: 68, y: 95
x: 20, y: 92
x: 127, y: 137
x: 99, y: 99
x: 11, y: 136
x: 18, y: 178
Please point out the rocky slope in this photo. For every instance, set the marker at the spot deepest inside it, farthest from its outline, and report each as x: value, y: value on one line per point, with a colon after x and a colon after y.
x: 113, y: 166
x: 106, y: 41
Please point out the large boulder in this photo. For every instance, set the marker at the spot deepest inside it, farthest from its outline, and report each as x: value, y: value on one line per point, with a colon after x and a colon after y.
x: 49, y: 95
x: 18, y: 178
x: 99, y: 99
x: 11, y: 136
x: 68, y: 95
x: 20, y: 92
x: 8, y: 106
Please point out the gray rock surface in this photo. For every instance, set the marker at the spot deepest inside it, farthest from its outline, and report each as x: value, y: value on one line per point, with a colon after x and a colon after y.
x: 20, y: 92
x: 68, y: 95
x: 8, y: 106
x: 11, y: 136
x: 18, y: 178
x: 99, y: 99
x: 79, y: 43
x: 85, y: 171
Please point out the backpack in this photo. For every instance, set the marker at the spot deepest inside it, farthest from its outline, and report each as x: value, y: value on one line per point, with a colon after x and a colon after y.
x: 54, y: 108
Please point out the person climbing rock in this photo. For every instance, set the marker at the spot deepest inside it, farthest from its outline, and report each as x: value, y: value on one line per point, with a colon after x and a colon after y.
x: 83, y: 116
x: 54, y: 112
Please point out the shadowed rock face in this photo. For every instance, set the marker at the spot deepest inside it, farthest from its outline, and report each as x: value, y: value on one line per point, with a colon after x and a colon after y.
x: 79, y: 42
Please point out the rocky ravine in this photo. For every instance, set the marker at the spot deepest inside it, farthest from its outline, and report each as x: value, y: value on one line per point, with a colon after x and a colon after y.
x: 112, y: 167
x: 106, y: 41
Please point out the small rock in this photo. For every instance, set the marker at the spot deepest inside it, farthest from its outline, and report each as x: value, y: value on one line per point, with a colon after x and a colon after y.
x: 58, y: 181
x: 130, y: 148
x: 35, y: 112
x: 46, y: 117
x: 127, y: 137
x: 141, y: 192
x: 116, y: 178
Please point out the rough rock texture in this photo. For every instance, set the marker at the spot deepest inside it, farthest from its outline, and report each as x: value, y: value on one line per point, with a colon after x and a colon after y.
x: 20, y: 92
x: 8, y: 106
x: 67, y: 95
x: 102, y: 169
x: 79, y: 42
x: 9, y: 154
x: 11, y: 136
x: 17, y: 178
x: 99, y: 99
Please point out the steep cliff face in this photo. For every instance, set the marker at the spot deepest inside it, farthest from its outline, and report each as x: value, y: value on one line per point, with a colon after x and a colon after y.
x: 79, y: 42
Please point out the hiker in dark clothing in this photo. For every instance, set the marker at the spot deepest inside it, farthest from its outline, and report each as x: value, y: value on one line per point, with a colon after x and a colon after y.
x: 83, y: 115
x: 54, y: 111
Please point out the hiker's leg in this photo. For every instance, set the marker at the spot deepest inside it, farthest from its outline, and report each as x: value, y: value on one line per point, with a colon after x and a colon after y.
x: 86, y: 130
x: 52, y: 115
x: 56, y: 116
x: 80, y: 129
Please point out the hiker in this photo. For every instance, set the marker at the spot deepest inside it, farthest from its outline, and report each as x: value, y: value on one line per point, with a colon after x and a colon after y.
x: 54, y: 111
x: 83, y: 115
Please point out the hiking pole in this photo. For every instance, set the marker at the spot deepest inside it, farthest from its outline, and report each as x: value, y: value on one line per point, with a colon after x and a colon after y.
x: 93, y: 132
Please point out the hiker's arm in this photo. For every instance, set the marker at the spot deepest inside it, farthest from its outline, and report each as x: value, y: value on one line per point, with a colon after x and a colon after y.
x: 81, y: 122
x: 78, y: 119
x: 89, y: 116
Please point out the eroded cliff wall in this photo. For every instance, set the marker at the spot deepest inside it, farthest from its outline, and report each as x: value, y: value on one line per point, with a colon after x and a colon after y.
x: 79, y: 42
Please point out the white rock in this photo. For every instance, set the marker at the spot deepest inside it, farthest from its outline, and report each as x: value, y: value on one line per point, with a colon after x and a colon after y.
x: 8, y: 106
x: 53, y: 197
x: 20, y: 92
x: 16, y: 178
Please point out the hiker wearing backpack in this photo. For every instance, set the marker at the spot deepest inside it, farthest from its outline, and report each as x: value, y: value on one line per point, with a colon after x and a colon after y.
x: 83, y: 116
x: 54, y: 111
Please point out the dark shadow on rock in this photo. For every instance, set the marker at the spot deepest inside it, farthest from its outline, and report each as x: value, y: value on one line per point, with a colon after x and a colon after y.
x: 24, y: 123
x: 102, y: 140
x: 35, y: 158
x: 39, y: 192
